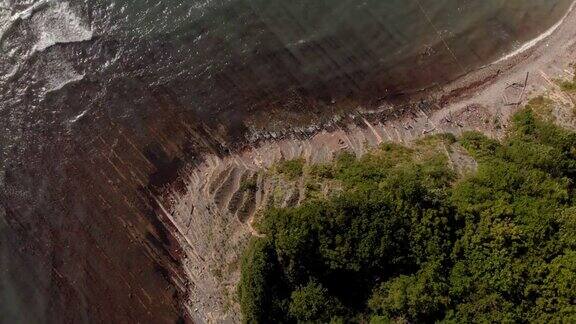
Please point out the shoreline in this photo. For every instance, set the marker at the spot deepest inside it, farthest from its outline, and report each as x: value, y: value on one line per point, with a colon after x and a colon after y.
x: 534, y: 42
x: 482, y: 100
x: 449, y: 93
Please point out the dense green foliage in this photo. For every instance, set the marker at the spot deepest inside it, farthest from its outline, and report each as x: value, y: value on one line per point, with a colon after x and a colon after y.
x: 407, y: 240
x: 292, y: 169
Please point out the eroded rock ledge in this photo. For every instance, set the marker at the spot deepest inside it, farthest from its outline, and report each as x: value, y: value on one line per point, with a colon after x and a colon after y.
x: 214, y: 209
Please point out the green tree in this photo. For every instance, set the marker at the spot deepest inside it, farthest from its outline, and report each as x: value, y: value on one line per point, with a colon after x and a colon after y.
x: 419, y: 297
x: 313, y: 303
x: 261, y: 288
x: 406, y: 241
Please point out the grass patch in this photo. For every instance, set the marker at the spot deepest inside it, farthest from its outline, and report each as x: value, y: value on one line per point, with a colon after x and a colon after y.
x: 291, y: 169
x: 249, y: 185
x: 568, y: 86
x: 542, y: 107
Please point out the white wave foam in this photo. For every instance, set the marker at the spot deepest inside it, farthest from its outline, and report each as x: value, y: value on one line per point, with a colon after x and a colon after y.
x: 51, y: 22
x: 78, y: 117
x: 7, y: 20
x: 26, y: 13
x: 56, y: 76
x: 537, y: 40
x: 59, y: 25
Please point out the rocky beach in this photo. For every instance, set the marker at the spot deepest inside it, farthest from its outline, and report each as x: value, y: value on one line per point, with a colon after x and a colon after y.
x: 222, y: 211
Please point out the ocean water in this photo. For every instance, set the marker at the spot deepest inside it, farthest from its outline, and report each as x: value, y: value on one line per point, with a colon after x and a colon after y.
x: 215, y: 55
x: 78, y: 75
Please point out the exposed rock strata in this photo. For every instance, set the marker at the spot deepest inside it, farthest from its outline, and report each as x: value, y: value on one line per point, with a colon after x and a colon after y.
x: 215, y: 230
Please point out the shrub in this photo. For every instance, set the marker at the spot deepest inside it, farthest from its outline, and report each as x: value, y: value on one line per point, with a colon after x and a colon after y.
x: 292, y: 169
x: 405, y: 242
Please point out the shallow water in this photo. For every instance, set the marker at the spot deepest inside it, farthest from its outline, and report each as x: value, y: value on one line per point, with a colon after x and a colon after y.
x: 217, y: 54
x: 255, y: 44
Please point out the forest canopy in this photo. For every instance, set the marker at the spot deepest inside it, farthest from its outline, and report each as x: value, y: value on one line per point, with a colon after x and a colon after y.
x: 410, y: 240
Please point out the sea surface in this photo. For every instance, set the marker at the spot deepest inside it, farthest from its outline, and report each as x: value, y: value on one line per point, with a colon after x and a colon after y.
x: 216, y: 55
x: 76, y: 76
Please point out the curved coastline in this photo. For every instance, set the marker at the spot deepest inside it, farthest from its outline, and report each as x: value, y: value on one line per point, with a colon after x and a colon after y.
x: 530, y: 44
x: 462, y: 105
